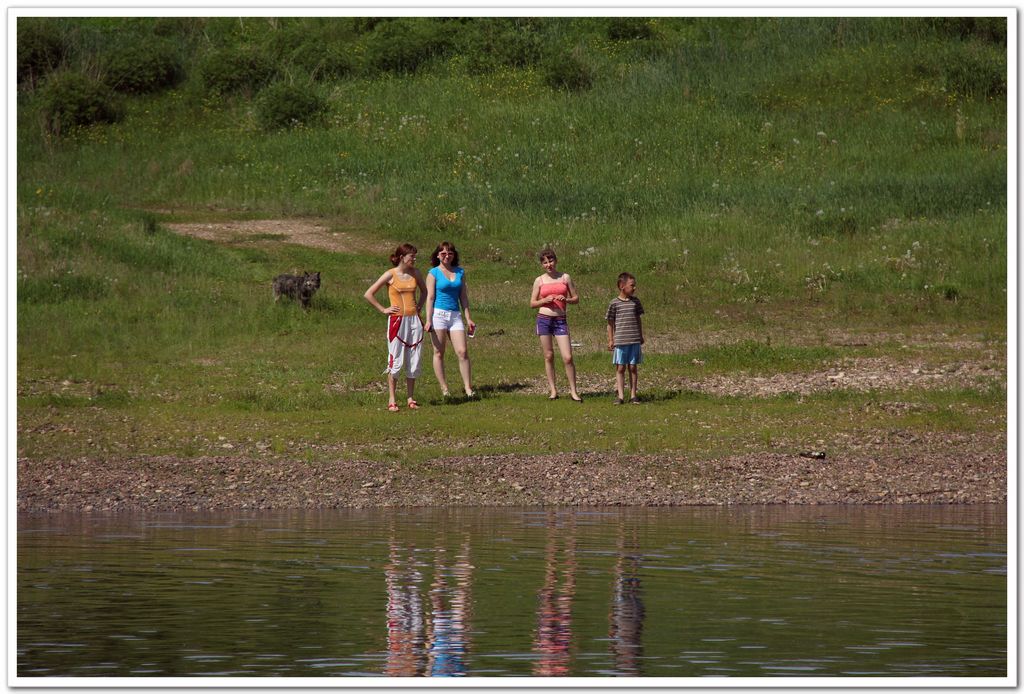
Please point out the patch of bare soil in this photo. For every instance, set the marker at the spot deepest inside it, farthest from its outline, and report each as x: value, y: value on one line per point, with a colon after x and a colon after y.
x: 305, y: 232
x: 814, y: 334
x: 890, y: 468
x: 850, y: 374
x: 856, y: 374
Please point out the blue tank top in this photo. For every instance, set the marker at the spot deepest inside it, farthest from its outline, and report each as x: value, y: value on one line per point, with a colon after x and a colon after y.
x: 447, y: 292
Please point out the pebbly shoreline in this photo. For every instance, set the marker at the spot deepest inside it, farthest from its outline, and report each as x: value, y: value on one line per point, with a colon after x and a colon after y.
x: 889, y: 469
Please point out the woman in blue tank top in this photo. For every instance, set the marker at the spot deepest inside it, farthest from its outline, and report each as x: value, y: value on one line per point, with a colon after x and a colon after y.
x: 447, y: 299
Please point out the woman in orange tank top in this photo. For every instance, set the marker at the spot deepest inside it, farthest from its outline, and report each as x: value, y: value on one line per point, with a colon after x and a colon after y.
x: 405, y: 328
x: 552, y: 291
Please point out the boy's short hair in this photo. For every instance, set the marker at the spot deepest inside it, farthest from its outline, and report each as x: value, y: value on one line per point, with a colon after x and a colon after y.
x: 625, y: 277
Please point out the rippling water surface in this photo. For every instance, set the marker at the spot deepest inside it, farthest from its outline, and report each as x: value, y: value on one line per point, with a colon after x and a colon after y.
x: 749, y: 591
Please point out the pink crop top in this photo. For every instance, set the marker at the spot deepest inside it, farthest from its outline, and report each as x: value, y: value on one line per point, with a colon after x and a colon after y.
x: 553, y: 289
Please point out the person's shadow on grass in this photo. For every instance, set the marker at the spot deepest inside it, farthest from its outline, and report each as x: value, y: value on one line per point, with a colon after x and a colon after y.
x: 482, y: 392
x: 643, y: 397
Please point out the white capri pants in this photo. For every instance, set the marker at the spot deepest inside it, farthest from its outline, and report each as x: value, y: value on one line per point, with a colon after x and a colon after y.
x: 405, y: 337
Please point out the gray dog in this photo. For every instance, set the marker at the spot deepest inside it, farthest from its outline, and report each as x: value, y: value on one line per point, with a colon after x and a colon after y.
x: 298, y: 287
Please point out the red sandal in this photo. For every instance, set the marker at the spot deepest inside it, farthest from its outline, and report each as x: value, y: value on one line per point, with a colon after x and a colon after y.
x: 392, y: 407
x: 413, y: 405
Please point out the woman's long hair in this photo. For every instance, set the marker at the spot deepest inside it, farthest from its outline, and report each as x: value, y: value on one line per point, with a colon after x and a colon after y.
x: 444, y: 246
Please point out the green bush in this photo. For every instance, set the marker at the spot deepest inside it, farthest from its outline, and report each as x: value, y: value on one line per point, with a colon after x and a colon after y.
x: 975, y: 69
x: 365, y: 25
x: 489, y: 43
x: 323, y: 61
x: 285, y: 105
x: 990, y: 29
x: 142, y: 66
x: 236, y: 70
x: 404, y: 44
x: 628, y: 28
x: 71, y: 99
x: 40, y: 49
x: 569, y: 72
x: 176, y: 26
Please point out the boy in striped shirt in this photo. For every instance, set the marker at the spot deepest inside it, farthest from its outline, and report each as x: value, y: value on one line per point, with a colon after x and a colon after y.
x: 625, y: 335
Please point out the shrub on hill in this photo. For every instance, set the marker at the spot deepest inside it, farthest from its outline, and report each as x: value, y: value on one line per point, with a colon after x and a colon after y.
x: 286, y: 105
x: 628, y: 28
x: 40, y: 49
x: 323, y: 61
x: 975, y: 69
x: 176, y: 26
x: 234, y: 70
x: 404, y: 44
x: 990, y: 29
x: 71, y: 99
x: 493, y: 42
x: 142, y: 65
x: 364, y: 25
x: 569, y: 72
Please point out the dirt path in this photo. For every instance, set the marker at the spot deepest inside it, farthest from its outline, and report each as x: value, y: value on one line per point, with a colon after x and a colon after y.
x: 852, y: 374
x: 891, y: 468
x: 306, y: 232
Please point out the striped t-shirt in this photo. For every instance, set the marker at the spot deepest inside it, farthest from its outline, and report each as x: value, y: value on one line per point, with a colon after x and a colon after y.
x: 624, y: 315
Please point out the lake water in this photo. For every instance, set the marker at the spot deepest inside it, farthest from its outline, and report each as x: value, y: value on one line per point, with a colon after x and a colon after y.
x: 683, y: 592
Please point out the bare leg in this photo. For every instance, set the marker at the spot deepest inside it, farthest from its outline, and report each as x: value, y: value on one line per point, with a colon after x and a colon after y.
x: 439, y: 338
x: 565, y: 347
x: 458, y: 338
x: 620, y: 380
x: 633, y: 379
x: 391, y: 389
x: 548, y: 349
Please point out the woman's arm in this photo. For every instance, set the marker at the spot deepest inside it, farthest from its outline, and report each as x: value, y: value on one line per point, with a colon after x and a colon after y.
x: 464, y: 302
x: 572, y: 297
x: 422, y: 287
x: 535, y: 300
x: 370, y: 294
x: 431, y: 290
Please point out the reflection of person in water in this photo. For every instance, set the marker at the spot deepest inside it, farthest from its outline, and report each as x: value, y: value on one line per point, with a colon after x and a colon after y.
x: 404, y: 613
x: 447, y: 637
x: 554, y: 614
x: 626, y: 618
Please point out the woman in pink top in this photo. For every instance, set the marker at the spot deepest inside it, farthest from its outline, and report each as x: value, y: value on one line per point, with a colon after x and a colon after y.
x: 552, y: 291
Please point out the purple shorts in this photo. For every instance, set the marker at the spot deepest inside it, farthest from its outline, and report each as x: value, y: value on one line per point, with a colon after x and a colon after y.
x: 552, y: 325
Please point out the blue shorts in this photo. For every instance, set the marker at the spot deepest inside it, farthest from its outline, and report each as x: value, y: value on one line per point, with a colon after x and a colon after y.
x: 552, y: 325
x: 628, y: 354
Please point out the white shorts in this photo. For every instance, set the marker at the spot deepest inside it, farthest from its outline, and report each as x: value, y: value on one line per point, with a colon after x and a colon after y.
x: 447, y: 320
x: 405, y: 338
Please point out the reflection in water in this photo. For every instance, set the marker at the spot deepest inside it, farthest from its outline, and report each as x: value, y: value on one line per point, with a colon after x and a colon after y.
x: 448, y: 640
x: 626, y: 617
x: 405, y: 612
x: 739, y: 592
x: 554, y: 614
x: 422, y: 642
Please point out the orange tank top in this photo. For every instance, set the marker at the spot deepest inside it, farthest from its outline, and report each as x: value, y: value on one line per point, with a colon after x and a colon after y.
x: 402, y: 293
x: 553, y: 289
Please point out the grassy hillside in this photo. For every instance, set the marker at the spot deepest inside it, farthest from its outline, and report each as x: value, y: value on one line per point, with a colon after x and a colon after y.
x: 779, y: 187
